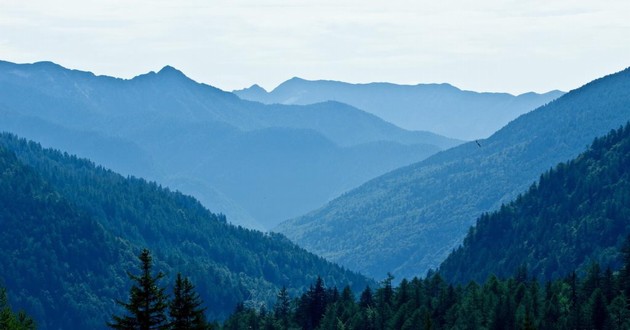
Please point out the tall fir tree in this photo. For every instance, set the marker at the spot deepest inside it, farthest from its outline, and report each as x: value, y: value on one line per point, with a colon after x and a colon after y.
x: 282, y: 309
x: 146, y: 309
x: 186, y: 309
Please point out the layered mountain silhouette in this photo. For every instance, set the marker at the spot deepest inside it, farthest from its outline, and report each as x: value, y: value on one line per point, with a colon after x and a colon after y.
x: 257, y: 163
x: 407, y: 221
x: 575, y: 215
x: 440, y: 108
x: 71, y: 230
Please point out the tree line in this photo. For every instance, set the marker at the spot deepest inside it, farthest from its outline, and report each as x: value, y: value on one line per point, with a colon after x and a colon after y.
x: 70, y: 229
x: 597, y: 300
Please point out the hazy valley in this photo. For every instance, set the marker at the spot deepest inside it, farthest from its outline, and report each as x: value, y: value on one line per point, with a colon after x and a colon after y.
x: 73, y: 229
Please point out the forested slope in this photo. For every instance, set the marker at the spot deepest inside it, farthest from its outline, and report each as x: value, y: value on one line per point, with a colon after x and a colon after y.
x: 577, y: 213
x: 409, y: 220
x: 70, y: 231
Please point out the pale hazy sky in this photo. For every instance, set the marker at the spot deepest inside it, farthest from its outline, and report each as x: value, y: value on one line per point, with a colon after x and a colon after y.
x: 484, y: 45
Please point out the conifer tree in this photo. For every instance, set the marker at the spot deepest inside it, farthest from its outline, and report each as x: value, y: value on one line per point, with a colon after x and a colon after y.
x: 282, y: 308
x: 146, y: 309
x: 10, y: 320
x: 367, y: 299
x: 185, y: 309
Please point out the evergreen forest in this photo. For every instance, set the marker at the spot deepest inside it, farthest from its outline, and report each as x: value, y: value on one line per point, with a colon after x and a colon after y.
x: 558, y: 257
x: 597, y: 301
x: 555, y: 257
x: 576, y: 214
x: 71, y: 230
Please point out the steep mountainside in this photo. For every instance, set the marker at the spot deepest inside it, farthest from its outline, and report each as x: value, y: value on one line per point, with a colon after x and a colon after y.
x: 70, y: 231
x: 576, y: 214
x: 408, y: 220
x: 439, y: 108
x: 204, y: 141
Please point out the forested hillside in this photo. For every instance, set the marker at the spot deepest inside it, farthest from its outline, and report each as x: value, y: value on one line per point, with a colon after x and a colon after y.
x: 597, y: 300
x: 409, y: 220
x: 576, y: 214
x: 201, y: 140
x: 71, y: 230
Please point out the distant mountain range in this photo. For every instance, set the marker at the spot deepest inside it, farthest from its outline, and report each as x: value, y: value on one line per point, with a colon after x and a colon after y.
x: 575, y: 215
x: 71, y: 231
x: 259, y: 164
x: 440, y: 108
x: 408, y: 220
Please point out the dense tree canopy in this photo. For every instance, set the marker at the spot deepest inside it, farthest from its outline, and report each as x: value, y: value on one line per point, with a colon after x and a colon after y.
x: 408, y: 221
x: 596, y: 301
x: 577, y: 213
x: 71, y: 229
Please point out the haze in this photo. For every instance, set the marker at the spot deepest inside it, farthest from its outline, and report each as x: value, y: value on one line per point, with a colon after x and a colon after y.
x: 486, y: 45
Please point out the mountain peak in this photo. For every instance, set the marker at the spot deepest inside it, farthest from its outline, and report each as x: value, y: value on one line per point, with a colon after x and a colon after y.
x: 254, y: 91
x: 256, y: 88
x: 171, y: 72
x: 47, y: 64
x: 295, y: 79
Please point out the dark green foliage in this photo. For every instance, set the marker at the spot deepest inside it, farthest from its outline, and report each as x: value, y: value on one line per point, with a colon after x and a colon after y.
x: 11, y: 320
x: 185, y: 308
x: 513, y: 303
x: 146, y: 309
x: 409, y: 220
x: 54, y: 258
x: 71, y: 229
x: 577, y: 213
x: 282, y: 308
x: 312, y: 305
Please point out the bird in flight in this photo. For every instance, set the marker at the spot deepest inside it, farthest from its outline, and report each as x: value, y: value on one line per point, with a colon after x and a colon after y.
x: 478, y: 143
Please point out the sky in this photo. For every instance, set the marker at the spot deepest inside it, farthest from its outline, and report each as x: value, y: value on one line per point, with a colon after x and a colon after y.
x: 483, y: 45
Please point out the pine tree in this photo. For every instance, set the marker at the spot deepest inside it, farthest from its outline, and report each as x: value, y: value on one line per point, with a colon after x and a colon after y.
x: 618, y: 309
x: 147, y: 301
x: 367, y: 299
x: 282, y: 309
x: 185, y: 309
x: 599, y: 312
x: 318, y: 302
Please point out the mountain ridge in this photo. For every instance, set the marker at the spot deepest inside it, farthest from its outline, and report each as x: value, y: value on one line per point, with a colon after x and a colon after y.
x: 574, y: 215
x: 175, y: 124
x: 71, y: 229
x: 437, y: 107
x: 409, y: 219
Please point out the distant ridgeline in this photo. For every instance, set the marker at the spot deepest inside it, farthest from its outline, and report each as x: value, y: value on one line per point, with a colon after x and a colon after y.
x: 408, y: 220
x: 259, y: 164
x: 439, y: 108
x: 70, y: 230
x: 578, y: 213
